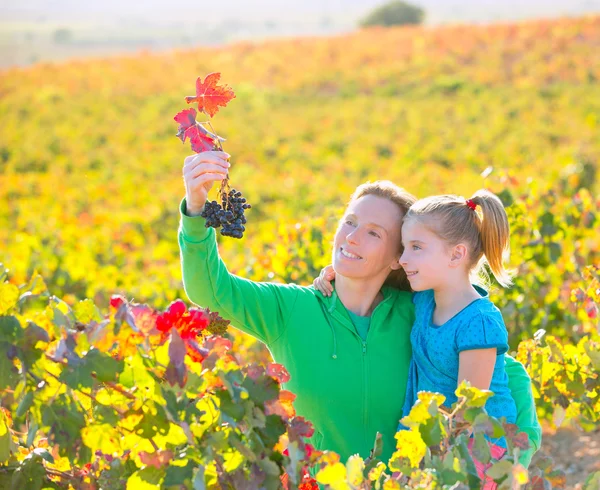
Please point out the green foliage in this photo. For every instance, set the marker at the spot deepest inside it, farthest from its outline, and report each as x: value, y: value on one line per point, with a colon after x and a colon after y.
x: 394, y: 13
x: 92, y: 403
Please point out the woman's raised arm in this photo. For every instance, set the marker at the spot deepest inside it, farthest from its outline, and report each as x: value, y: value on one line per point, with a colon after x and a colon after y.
x: 259, y: 309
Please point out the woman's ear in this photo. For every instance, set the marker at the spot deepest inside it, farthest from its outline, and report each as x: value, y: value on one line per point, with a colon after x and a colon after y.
x: 458, y: 255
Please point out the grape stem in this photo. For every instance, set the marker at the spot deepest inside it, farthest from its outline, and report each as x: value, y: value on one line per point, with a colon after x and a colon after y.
x: 224, y: 189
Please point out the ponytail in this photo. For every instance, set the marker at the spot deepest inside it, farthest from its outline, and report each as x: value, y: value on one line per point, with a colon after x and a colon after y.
x: 495, y: 234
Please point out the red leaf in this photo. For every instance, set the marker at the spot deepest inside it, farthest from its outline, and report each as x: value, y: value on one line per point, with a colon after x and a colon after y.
x: 186, y: 118
x: 209, y: 95
x: 157, y: 459
x: 282, y: 406
x: 255, y: 371
x: 278, y: 372
x: 189, y: 324
x: 199, y: 141
x: 302, y: 427
x: 144, y: 318
x: 176, y: 371
x: 177, y: 308
x: 116, y: 301
x: 176, y: 348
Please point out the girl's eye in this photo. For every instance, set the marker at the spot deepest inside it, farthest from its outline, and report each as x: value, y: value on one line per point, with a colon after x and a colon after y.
x: 416, y: 247
x: 374, y: 234
x: 349, y: 222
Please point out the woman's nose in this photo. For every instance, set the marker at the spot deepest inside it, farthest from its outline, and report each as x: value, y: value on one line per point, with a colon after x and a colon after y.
x: 352, y: 237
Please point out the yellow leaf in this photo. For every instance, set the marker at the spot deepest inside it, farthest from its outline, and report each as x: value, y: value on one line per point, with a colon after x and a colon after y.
x: 410, y: 445
x: 9, y: 295
x: 376, y: 472
x: 103, y: 437
x: 420, y: 412
x: 520, y: 474
x: 391, y: 485
x: 355, y: 467
x: 333, y: 475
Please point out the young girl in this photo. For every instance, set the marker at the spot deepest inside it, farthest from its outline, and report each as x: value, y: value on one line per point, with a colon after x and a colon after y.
x: 458, y: 333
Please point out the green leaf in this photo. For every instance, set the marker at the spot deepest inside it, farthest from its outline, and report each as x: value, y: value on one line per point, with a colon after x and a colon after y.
x: 592, y: 482
x: 177, y: 474
x: 65, y: 422
x: 10, y: 329
x: 9, y: 375
x: 481, y: 448
x: 198, y: 482
x: 153, y: 422
x: 432, y: 431
x: 24, y: 404
x: 500, y: 469
x: 77, y: 375
x: 229, y: 407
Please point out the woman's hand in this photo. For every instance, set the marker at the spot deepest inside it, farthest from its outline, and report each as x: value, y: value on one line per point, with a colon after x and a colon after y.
x: 199, y: 173
x: 323, y: 282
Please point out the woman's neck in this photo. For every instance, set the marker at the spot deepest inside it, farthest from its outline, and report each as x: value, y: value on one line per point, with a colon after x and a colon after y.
x: 359, y: 296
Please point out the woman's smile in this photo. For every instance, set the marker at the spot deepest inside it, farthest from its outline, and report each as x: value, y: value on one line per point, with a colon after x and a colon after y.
x: 349, y: 255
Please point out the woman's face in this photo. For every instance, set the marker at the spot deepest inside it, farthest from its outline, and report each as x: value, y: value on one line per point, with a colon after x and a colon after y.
x: 367, y: 241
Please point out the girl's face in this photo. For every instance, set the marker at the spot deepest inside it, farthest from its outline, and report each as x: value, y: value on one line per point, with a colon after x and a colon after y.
x: 366, y: 243
x: 426, y: 258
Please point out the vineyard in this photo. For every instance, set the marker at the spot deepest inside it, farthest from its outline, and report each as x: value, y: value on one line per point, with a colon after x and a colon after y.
x: 109, y: 380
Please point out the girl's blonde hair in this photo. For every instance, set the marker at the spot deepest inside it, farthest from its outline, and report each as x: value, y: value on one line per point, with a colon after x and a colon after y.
x: 485, y: 233
x: 401, y: 198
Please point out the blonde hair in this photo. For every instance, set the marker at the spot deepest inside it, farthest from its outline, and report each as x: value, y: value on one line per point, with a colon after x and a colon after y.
x: 485, y: 233
x: 401, y: 198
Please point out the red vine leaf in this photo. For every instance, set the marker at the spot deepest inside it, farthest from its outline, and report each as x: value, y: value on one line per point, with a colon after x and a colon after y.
x: 209, y: 95
x: 278, y: 372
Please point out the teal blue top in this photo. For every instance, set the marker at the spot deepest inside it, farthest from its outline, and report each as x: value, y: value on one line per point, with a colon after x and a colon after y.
x: 361, y: 323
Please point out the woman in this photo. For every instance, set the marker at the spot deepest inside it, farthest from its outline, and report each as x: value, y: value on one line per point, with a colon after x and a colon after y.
x: 347, y: 354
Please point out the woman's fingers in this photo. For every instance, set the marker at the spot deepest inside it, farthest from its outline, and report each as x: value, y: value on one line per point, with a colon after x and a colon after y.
x: 202, y: 179
x: 196, y: 170
x: 207, y: 156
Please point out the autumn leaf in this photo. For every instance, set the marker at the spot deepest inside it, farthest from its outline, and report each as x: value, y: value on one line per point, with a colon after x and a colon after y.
x: 209, y: 95
x: 279, y: 372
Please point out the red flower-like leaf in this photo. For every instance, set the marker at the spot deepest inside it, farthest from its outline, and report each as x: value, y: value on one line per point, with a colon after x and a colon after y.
x: 209, y: 95
x: 116, y: 301
x: 188, y: 323
x: 278, y: 372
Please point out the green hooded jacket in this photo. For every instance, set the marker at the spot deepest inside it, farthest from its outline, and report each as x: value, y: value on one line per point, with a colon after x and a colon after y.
x: 348, y: 388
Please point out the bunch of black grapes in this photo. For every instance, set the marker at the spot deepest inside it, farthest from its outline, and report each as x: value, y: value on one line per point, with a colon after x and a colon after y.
x: 229, y: 215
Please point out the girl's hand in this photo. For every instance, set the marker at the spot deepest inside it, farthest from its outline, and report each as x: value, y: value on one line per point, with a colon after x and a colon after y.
x: 323, y: 282
x: 199, y: 173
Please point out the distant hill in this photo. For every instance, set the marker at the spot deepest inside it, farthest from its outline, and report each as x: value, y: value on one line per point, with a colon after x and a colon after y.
x: 36, y: 30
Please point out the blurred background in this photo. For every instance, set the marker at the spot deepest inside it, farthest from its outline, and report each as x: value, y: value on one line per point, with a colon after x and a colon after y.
x: 39, y: 30
x: 437, y: 96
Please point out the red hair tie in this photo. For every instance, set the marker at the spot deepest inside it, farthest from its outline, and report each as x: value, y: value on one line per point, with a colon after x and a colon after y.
x: 471, y: 204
